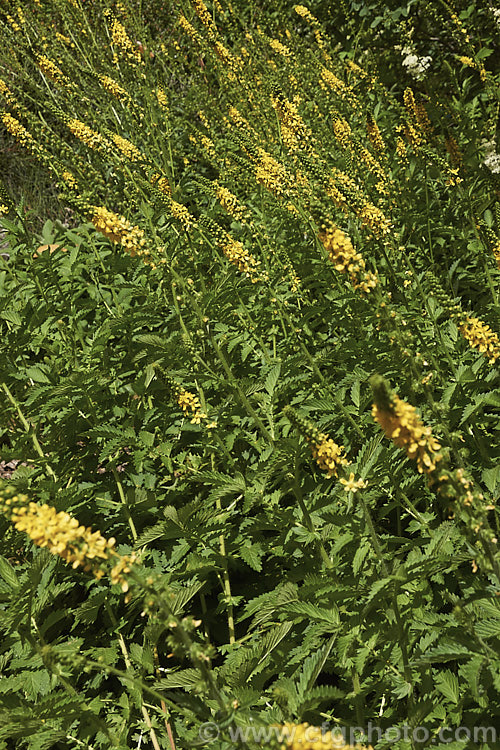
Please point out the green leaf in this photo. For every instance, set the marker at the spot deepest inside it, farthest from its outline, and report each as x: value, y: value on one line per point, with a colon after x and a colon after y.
x: 487, y: 628
x: 491, y: 478
x: 272, y: 379
x: 252, y: 555
x: 8, y: 573
x: 355, y: 393
x: 447, y: 684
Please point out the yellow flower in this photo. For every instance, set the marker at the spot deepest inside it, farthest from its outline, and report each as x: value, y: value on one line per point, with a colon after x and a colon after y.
x: 90, y: 137
x: 229, y: 202
x: 353, y: 485
x: 62, y: 534
x: 293, y: 129
x: 126, y: 147
x: 374, y: 218
x: 342, y: 132
x: 201, y: 11
x: 332, y: 81
x: 118, y: 229
x: 17, y: 130
x: 190, y: 30
x: 69, y: 179
x: 242, y: 259
x: 480, y: 336
x: 304, y: 12
x: 329, y: 456
x: 51, y: 70
x: 181, y: 213
x: 401, y: 151
x: 453, y: 178
x: 121, y: 39
x: 7, y: 94
x: 345, y: 259
x: 162, y: 99
x: 374, y: 135
x: 271, y: 174
x: 403, y: 426
x: 161, y: 183
x: 190, y: 406
x: 281, y: 49
x: 114, y: 88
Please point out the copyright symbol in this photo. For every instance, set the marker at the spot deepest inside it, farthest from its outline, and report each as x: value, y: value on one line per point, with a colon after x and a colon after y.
x: 209, y: 731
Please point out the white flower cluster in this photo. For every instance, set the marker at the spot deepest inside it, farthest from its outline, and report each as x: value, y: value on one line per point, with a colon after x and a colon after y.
x: 491, y: 158
x: 415, y: 65
x: 496, y: 14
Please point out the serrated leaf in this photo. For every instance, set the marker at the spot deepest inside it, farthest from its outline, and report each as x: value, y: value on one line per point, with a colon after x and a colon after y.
x: 37, y: 374
x: 312, y: 667
x: 359, y: 556
x: 272, y: 378
x: 11, y: 316
x: 8, y: 573
x: 491, y: 478
x: 447, y: 684
x: 314, y: 612
x: 184, y: 678
x: 252, y: 555
x: 355, y: 393
x: 487, y: 628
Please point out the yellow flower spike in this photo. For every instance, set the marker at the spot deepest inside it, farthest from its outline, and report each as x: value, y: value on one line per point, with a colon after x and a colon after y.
x: 401, y: 151
x: 345, y: 259
x: 63, y: 536
x: 189, y: 30
x: 126, y: 147
x: 403, y: 426
x: 162, y: 184
x: 480, y: 336
x: 338, y: 86
x: 17, y: 130
x: 294, y: 132
x: 242, y: 259
x: 69, y: 179
x: 90, y: 137
x: 52, y: 71
x: 112, y: 87
x: 118, y: 229
x: 271, y: 174
x: 304, y: 12
x: 181, y: 213
x: 342, y: 132
x: 374, y: 218
x: 121, y: 39
x: 374, y: 135
x: 280, y: 48
x: 328, y: 455
x: 162, y: 99
x: 201, y: 11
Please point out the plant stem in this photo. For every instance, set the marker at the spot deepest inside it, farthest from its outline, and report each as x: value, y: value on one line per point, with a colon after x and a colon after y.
x: 297, y: 491
x: 27, y: 427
